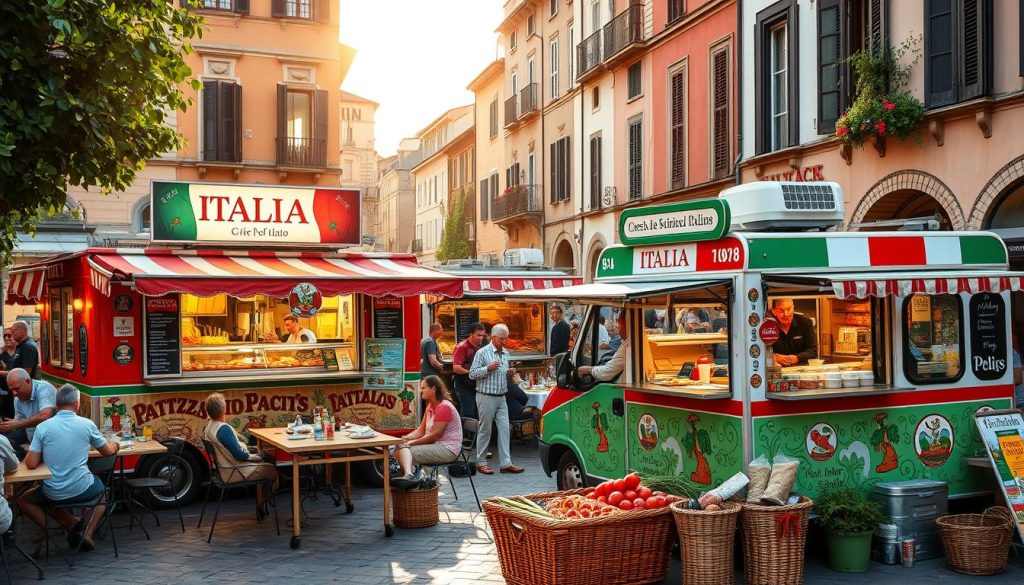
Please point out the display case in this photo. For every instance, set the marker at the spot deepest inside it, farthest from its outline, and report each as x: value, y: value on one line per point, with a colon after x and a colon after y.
x: 669, y: 352
x: 526, y: 322
x: 257, y: 359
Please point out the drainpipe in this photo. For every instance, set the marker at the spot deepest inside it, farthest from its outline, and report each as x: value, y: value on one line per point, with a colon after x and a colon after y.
x: 583, y: 151
x: 739, y: 88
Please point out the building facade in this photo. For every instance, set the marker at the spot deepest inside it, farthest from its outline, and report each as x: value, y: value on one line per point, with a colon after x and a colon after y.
x: 396, y: 206
x: 489, y: 96
x: 359, y: 158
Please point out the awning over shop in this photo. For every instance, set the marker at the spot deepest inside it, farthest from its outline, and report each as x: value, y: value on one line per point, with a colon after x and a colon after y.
x: 501, y: 284
x: 26, y: 287
x: 156, y: 272
x: 615, y: 291
x: 862, y: 286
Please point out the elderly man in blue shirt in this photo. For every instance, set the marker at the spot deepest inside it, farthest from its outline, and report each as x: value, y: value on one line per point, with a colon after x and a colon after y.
x: 34, y: 402
x: 491, y: 370
x: 63, y: 443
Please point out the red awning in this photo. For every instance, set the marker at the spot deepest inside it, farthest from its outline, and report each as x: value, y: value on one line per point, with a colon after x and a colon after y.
x: 862, y: 286
x: 26, y: 287
x: 155, y: 272
x: 502, y: 284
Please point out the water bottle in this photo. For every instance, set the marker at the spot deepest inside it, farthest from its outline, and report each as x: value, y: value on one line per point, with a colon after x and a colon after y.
x: 126, y: 432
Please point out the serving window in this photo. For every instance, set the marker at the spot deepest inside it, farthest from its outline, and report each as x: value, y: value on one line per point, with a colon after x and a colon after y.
x: 527, y: 323
x: 933, y: 338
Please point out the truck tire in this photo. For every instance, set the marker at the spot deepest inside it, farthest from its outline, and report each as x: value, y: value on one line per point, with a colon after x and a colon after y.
x: 570, y: 473
x: 372, y: 473
x: 191, y: 471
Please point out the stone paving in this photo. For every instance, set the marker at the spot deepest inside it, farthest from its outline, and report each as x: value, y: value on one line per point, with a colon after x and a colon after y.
x: 353, y: 549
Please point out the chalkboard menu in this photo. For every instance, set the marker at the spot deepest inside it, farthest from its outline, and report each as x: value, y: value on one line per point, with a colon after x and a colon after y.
x: 163, y: 336
x: 387, y: 318
x: 465, y: 318
x: 988, y: 336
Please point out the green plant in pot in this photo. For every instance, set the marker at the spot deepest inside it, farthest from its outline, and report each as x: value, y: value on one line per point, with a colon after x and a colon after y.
x: 849, y: 521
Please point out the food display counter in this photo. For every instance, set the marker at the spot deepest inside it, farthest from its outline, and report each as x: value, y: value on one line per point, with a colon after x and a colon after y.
x: 257, y: 359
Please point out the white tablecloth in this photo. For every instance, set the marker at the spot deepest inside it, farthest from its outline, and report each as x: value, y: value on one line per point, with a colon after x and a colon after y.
x: 536, y: 398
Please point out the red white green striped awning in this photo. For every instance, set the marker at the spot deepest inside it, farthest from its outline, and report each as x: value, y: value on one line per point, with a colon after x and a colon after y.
x: 26, y: 287
x: 862, y: 286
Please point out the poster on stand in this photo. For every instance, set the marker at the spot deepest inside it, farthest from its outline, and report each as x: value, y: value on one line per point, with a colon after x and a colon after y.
x: 385, y: 364
x: 1002, y: 431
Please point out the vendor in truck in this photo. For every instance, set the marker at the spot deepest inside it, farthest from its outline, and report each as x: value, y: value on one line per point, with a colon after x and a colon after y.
x: 296, y: 333
x: 798, y: 342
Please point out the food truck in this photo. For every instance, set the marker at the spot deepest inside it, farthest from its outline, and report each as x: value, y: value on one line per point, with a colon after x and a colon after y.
x: 483, y: 300
x: 911, y: 328
x: 243, y: 291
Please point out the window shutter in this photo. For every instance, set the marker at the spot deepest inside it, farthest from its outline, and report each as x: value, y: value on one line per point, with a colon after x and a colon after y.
x: 494, y: 118
x: 877, y: 25
x: 484, y: 195
x: 976, y: 49
x: 320, y: 117
x: 720, y: 146
x: 677, y: 85
x: 494, y: 188
x: 553, y: 185
x: 241, y: 6
x: 282, y: 122
x: 211, y: 97
x: 830, y: 55
x: 277, y: 8
x: 595, y: 172
x: 226, y: 121
x: 635, y: 158
x: 567, y: 173
x: 323, y: 11
x: 940, y: 86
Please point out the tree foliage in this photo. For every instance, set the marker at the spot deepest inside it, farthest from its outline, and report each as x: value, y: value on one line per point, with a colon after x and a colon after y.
x: 85, y: 89
x: 454, y: 243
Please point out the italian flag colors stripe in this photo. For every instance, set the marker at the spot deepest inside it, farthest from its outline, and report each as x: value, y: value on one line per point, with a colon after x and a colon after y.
x: 875, y: 251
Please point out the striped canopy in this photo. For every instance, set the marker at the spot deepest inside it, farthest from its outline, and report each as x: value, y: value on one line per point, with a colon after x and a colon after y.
x: 862, y: 286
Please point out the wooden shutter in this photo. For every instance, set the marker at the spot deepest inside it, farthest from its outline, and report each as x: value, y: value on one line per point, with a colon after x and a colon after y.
x: 553, y: 185
x: 494, y: 188
x: 830, y: 63
x: 277, y: 8
x: 595, y: 172
x: 635, y: 159
x: 567, y: 169
x: 228, y: 127
x: 939, y: 64
x: 322, y: 10
x: 485, y: 194
x: 677, y: 87
x: 877, y: 25
x: 494, y: 118
x: 720, y: 113
x: 211, y: 99
x: 976, y: 49
x: 241, y: 6
x: 282, y: 122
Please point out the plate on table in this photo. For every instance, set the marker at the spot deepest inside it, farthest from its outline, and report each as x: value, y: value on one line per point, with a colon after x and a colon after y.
x: 297, y: 436
x: 369, y: 435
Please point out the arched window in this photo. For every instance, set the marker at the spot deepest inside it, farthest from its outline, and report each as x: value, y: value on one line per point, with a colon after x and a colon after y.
x: 146, y: 218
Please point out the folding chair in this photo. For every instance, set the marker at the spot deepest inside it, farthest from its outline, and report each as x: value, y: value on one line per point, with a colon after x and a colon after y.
x: 101, y: 466
x: 173, y: 461
x: 470, y: 428
x: 230, y: 483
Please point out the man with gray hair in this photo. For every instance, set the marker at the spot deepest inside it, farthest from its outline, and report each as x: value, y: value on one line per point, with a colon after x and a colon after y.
x: 26, y: 353
x: 491, y: 370
x: 63, y: 442
x: 34, y: 402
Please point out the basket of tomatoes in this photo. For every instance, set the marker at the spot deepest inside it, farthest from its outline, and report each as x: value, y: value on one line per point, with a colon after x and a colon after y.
x: 578, y: 537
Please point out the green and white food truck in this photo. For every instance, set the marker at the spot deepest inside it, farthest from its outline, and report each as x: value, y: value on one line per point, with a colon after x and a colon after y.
x: 723, y: 300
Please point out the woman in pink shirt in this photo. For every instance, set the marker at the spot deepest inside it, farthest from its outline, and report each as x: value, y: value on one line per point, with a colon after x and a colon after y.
x: 438, y: 439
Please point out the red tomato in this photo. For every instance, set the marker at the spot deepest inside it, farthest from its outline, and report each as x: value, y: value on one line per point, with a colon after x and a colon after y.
x: 615, y: 497
x: 591, y: 496
x: 639, y: 504
x: 632, y: 481
x: 599, y: 490
x: 660, y: 494
x: 655, y: 502
x: 620, y: 485
x: 602, y: 499
x: 644, y: 492
x: 631, y: 495
x: 625, y: 505
x: 670, y: 499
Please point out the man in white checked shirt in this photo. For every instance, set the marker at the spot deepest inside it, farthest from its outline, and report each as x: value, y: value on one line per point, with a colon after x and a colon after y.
x: 491, y: 370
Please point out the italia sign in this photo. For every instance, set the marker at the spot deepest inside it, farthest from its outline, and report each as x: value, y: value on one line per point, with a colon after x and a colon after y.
x: 687, y: 221
x: 260, y: 214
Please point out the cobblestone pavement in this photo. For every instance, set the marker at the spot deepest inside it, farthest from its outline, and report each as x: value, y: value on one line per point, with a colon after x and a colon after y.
x: 352, y: 548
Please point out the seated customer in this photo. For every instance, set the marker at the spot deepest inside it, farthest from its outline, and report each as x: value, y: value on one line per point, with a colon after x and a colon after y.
x: 8, y: 463
x: 437, y: 440
x: 232, y: 453
x: 63, y: 443
x: 516, y: 400
x: 34, y: 402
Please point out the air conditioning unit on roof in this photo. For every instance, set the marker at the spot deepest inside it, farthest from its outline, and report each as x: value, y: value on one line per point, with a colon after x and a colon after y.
x: 779, y: 206
x: 524, y: 257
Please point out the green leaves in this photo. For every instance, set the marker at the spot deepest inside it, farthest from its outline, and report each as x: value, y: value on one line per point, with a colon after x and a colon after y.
x: 454, y: 240
x: 844, y: 511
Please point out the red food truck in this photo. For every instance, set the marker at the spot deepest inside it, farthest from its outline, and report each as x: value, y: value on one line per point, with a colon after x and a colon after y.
x: 243, y: 291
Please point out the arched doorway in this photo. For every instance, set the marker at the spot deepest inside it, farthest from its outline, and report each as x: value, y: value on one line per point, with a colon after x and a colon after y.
x: 909, y: 194
x: 906, y: 204
x: 1006, y: 218
x: 597, y: 245
x: 564, y: 258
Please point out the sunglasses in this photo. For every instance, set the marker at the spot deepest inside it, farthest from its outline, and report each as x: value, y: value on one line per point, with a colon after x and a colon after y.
x: 8, y: 336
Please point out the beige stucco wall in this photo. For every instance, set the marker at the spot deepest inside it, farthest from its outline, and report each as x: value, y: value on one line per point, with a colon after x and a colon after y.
x: 490, y: 160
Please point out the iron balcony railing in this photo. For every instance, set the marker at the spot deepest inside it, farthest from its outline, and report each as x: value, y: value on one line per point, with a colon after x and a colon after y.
x: 511, y: 110
x: 529, y: 99
x: 588, y: 54
x: 301, y: 152
x: 624, y: 30
x: 517, y: 201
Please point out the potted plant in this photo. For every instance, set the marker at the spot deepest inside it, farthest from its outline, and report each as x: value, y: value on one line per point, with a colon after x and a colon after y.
x: 849, y: 521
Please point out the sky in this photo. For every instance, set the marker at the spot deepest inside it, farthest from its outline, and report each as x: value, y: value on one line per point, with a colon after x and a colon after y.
x: 416, y: 57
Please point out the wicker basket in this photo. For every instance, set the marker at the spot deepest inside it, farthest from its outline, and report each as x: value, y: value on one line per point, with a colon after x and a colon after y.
x: 977, y: 544
x: 773, y: 543
x: 415, y: 508
x: 706, y: 543
x: 623, y: 549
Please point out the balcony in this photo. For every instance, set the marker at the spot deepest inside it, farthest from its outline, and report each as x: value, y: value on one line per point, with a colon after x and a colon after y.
x: 305, y: 153
x: 676, y: 10
x: 522, y: 202
x: 529, y: 101
x: 588, y: 57
x: 624, y: 35
x: 416, y: 246
x: 511, y: 111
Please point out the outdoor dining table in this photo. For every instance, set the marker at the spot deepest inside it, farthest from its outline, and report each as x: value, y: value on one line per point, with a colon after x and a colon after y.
x: 536, y: 398
x: 123, y: 495
x: 25, y: 476
x: 339, y: 449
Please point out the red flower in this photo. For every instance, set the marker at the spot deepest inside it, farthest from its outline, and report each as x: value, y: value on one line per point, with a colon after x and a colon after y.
x: 880, y: 126
x: 888, y: 105
x: 842, y: 131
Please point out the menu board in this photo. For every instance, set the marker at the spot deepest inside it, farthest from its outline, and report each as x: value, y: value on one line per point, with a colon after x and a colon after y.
x: 988, y: 336
x: 163, y: 336
x: 1002, y: 432
x: 387, y: 317
x: 465, y: 318
x: 384, y: 364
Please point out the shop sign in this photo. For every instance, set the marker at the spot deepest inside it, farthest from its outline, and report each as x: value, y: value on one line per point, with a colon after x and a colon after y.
x: 798, y: 175
x: 687, y: 221
x: 465, y: 318
x: 83, y: 349
x: 387, y: 317
x: 243, y: 214
x: 722, y: 254
x: 124, y: 354
x: 305, y: 300
x: 123, y: 303
x: 385, y: 364
x: 163, y: 336
x: 769, y: 331
x: 1002, y: 432
x: 988, y: 336
x: 124, y: 326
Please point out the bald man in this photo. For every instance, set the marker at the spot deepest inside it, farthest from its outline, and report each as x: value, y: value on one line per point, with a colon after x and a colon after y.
x: 34, y: 402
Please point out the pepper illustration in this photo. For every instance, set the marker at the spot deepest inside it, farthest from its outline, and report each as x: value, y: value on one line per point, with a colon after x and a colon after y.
x: 598, y: 423
x: 696, y: 442
x: 881, y: 440
x: 115, y: 411
x: 406, y: 396
x: 821, y: 440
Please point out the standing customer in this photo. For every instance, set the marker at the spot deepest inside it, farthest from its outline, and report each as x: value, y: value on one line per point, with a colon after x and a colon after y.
x: 63, y: 443
x: 430, y: 353
x: 34, y: 402
x: 462, y: 361
x: 559, y: 332
x: 6, y: 355
x: 490, y: 370
x: 437, y: 440
x: 26, y: 352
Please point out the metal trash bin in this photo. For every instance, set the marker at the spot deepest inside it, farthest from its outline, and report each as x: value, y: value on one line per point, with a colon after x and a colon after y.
x: 914, y: 506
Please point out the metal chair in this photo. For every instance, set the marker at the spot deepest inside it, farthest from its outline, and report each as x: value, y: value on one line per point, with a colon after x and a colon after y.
x: 470, y: 428
x: 173, y: 461
x: 231, y: 483
x: 101, y: 466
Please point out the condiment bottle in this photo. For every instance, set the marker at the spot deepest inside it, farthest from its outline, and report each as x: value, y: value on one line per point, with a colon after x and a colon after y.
x: 318, y: 427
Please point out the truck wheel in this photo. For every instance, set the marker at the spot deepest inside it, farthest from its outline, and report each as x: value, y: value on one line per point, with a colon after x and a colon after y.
x: 372, y: 473
x: 570, y: 472
x: 190, y: 471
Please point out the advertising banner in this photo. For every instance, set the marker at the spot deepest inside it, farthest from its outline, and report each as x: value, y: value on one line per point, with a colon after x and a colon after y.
x: 1002, y: 431
x: 385, y: 359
